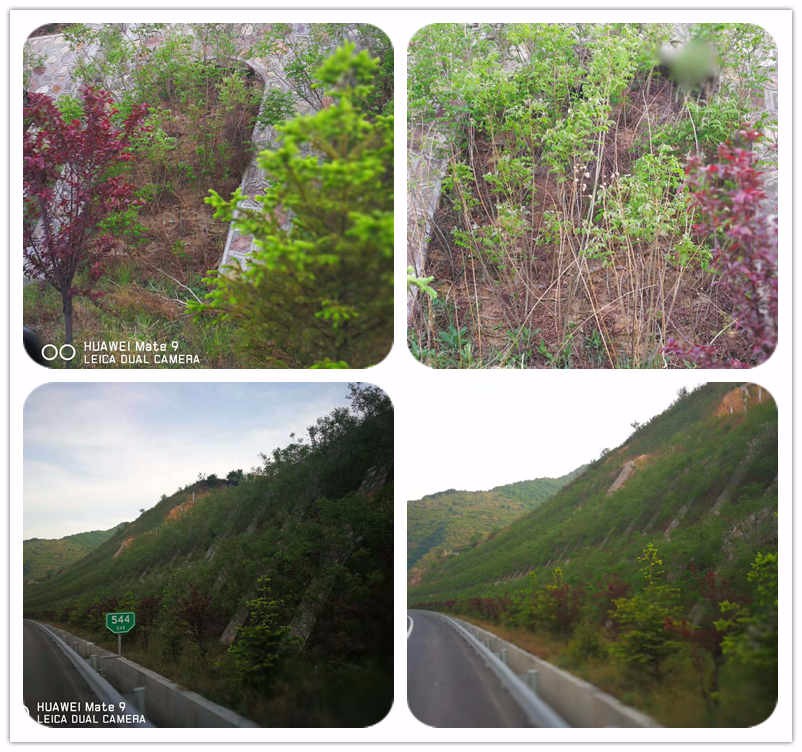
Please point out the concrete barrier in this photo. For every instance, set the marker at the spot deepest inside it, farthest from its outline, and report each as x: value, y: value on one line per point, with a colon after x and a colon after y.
x: 165, y: 703
x: 577, y: 701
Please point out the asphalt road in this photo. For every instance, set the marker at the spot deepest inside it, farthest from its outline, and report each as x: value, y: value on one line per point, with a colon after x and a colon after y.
x: 49, y: 677
x: 448, y: 685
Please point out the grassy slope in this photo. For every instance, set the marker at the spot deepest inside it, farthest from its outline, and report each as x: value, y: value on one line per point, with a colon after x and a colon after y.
x: 43, y: 557
x: 451, y: 521
x: 100, y: 567
x: 693, y: 460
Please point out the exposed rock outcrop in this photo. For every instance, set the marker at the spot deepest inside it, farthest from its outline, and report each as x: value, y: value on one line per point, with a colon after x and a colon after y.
x: 741, y: 399
x: 626, y: 472
x: 123, y: 546
x: 179, y: 510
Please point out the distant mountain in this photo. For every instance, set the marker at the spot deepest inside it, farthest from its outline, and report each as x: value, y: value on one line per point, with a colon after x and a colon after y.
x: 43, y: 557
x: 699, y: 480
x: 450, y: 522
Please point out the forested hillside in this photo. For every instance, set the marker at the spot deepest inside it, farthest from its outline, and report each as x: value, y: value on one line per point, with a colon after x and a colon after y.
x: 269, y: 592
x: 43, y: 557
x: 654, y: 572
x: 450, y: 522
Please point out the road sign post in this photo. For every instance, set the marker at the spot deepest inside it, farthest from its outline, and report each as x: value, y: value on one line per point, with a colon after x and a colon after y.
x: 120, y: 623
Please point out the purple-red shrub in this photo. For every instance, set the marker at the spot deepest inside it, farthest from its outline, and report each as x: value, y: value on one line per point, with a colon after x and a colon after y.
x: 734, y: 221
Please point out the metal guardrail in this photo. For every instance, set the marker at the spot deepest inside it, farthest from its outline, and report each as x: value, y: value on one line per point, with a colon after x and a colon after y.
x: 104, y: 691
x: 537, y: 712
x: 168, y: 704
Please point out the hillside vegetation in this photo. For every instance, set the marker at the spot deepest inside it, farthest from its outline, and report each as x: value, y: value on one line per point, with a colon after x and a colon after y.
x: 156, y: 156
x: 450, y: 522
x: 654, y: 572
x: 609, y: 195
x: 270, y: 592
x: 42, y: 557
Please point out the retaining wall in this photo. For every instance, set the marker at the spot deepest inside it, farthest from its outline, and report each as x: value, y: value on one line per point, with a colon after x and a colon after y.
x: 578, y: 701
x: 427, y: 163
x: 165, y: 703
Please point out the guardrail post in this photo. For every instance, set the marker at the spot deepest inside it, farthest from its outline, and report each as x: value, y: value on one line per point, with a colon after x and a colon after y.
x: 531, y: 679
x: 93, y: 661
x: 139, y: 699
x: 538, y: 712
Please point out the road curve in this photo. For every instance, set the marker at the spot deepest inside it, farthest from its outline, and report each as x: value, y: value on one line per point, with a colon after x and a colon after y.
x: 448, y: 685
x: 53, y: 690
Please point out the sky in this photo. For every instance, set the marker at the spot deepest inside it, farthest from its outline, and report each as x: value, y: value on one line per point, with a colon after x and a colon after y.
x: 95, y: 454
x: 491, y: 435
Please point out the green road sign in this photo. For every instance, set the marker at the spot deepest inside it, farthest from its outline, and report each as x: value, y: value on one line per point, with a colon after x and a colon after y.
x: 120, y: 622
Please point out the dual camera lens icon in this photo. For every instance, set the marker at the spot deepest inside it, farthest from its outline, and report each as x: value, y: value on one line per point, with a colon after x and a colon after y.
x: 51, y: 352
x: 47, y: 353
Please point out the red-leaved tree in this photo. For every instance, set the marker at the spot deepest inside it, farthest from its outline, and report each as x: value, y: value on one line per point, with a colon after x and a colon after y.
x: 73, y: 179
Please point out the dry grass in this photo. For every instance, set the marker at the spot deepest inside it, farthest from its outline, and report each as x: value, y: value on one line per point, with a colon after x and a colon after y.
x: 182, y: 239
x: 541, y: 644
x: 130, y: 301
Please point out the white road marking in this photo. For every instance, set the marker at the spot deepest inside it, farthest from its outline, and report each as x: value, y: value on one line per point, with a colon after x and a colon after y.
x: 411, y: 625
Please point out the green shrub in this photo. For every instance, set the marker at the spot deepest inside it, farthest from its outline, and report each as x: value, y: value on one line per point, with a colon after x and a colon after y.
x: 318, y: 288
x: 278, y: 105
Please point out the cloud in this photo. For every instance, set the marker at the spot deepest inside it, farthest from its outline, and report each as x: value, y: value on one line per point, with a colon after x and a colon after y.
x: 103, y: 451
